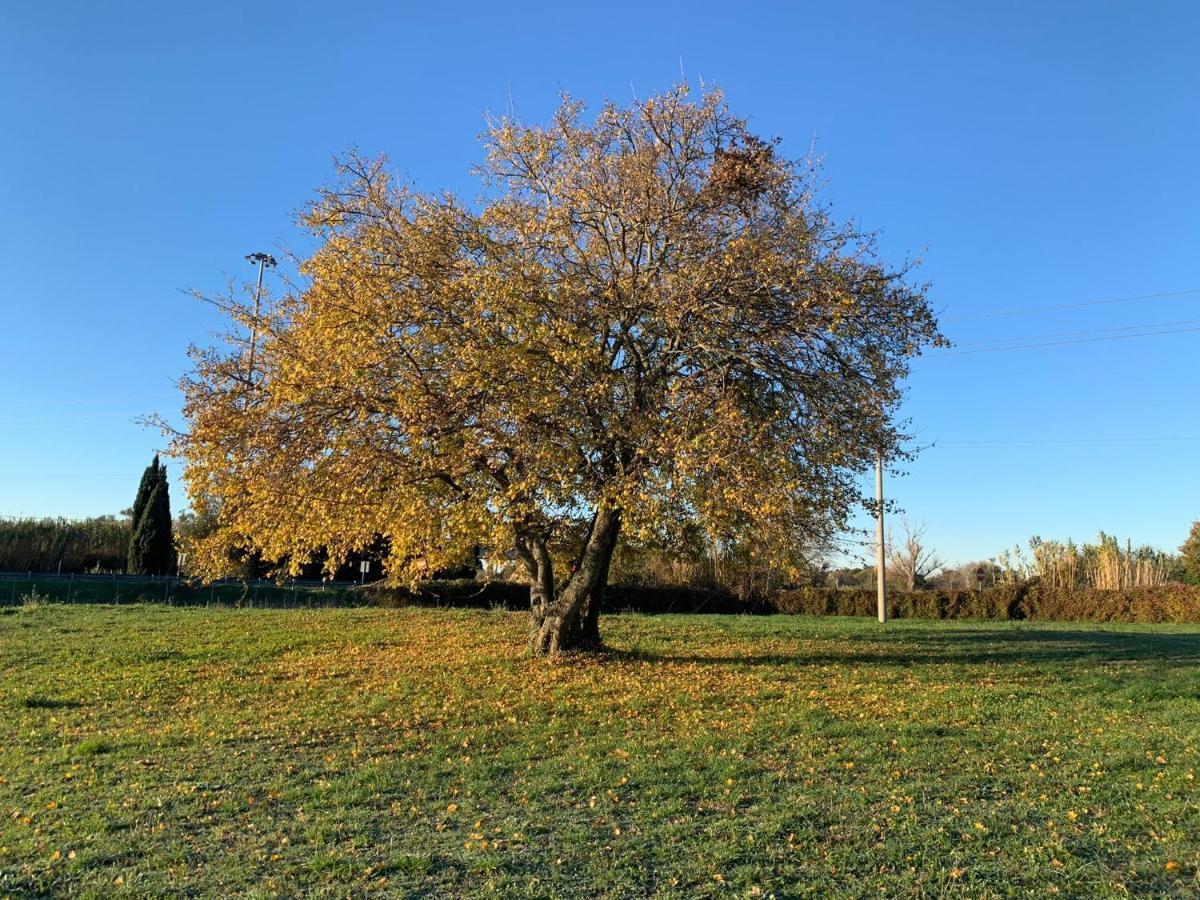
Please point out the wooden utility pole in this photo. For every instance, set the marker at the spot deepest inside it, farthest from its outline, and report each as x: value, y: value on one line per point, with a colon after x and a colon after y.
x: 880, y: 543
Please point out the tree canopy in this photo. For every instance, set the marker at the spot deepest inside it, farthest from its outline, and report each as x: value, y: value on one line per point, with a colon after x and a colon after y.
x: 648, y: 323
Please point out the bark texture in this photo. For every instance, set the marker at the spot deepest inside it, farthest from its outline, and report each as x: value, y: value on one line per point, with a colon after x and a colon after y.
x: 570, y: 619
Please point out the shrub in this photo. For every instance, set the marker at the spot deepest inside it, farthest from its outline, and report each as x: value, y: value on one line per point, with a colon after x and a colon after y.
x: 472, y: 594
x: 1167, y: 603
x: 464, y: 593
x: 1178, y: 603
x: 1162, y: 603
x: 1033, y: 600
x: 647, y: 599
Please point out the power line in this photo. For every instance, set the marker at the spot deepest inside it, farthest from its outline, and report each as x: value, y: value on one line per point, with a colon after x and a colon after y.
x: 87, y: 419
x: 1088, y: 340
x: 90, y: 401
x: 1080, y: 333
x: 1021, y: 311
x: 68, y: 475
x: 986, y: 442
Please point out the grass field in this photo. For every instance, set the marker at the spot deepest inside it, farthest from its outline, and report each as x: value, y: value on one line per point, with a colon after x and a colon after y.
x: 147, y: 750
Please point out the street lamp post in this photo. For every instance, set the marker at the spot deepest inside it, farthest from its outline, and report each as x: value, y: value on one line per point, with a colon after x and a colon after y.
x: 263, y: 260
x: 880, y: 544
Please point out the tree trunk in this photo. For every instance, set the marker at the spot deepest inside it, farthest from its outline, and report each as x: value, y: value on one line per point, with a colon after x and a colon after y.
x: 571, y: 620
x: 531, y: 550
x: 589, y: 620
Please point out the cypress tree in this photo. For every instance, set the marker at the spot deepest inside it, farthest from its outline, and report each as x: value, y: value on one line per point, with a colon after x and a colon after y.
x: 151, y: 544
x: 149, y: 478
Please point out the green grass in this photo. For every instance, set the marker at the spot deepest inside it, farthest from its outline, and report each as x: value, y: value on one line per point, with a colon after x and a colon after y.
x: 147, y: 750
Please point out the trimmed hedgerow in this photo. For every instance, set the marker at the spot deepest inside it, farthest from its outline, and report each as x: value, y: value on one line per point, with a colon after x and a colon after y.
x: 1178, y: 603
x: 1002, y: 602
x: 466, y: 593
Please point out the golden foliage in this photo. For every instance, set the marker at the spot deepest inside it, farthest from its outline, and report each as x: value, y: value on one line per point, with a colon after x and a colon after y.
x: 648, y: 313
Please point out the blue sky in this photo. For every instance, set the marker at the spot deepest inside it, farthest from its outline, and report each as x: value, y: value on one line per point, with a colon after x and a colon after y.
x: 1032, y: 154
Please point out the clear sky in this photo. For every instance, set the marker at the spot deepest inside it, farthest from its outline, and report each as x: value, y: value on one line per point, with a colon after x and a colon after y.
x: 1032, y: 154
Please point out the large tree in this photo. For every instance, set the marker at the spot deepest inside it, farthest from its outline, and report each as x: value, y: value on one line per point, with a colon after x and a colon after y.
x: 646, y: 324
x: 913, y: 560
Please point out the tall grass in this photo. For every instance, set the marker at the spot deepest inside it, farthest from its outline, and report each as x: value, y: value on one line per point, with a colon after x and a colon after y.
x: 51, y: 545
x: 1104, y: 565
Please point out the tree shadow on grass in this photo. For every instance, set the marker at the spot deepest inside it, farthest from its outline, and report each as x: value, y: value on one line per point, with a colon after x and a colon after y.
x: 929, y: 646
x: 50, y: 703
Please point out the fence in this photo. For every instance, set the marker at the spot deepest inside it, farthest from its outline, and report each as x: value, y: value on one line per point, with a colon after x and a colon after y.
x: 16, y: 587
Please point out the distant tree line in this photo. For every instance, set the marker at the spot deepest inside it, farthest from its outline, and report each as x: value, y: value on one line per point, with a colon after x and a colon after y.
x: 142, y: 540
x: 139, y: 542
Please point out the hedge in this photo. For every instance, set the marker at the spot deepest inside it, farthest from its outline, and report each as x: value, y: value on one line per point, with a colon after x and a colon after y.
x: 618, y: 598
x: 1178, y: 603
x: 1174, y: 603
x: 462, y: 593
x: 993, y: 603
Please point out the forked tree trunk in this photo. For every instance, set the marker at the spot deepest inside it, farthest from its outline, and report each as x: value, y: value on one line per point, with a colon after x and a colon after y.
x: 588, y: 627
x: 570, y: 621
